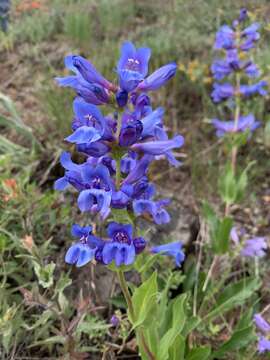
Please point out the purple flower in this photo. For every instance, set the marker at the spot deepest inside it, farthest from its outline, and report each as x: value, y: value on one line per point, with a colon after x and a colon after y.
x: 225, y: 38
x: 128, y: 163
x: 263, y: 345
x: 222, y: 92
x: 224, y: 67
x: 139, y: 170
x: 88, y: 115
x: 96, y: 149
x: 244, y: 123
x: 82, y: 252
x: 261, y: 323
x: 258, y: 88
x: 154, y: 209
x: 243, y: 15
x: 122, y: 98
x: 97, y: 197
x: 264, y: 327
x: 254, y: 247
x: 158, y: 78
x: 115, y: 321
x: 142, y: 104
x: 161, y: 147
x: 81, y: 66
x: 121, y: 248
x: 250, y: 35
x: 92, y: 93
x: 151, y: 121
x: 172, y: 249
x: 72, y: 174
x: 132, y: 66
x: 131, y: 130
x: 122, y: 197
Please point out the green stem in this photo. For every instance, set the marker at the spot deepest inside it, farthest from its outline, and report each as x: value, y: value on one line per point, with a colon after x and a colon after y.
x: 141, y: 337
x: 124, y: 288
x: 118, y: 173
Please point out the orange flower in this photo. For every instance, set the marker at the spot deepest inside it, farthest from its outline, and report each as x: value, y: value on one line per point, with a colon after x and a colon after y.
x: 28, y: 242
x: 12, y: 189
x: 35, y: 5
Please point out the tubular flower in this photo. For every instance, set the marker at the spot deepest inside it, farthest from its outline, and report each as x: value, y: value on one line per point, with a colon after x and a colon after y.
x: 172, y: 249
x: 264, y: 331
x: 122, y: 247
x: 84, y: 250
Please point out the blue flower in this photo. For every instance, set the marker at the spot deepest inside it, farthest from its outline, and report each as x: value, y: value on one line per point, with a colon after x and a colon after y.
x: 92, y: 93
x: 264, y: 328
x: 97, y: 197
x: 82, y: 252
x: 172, y: 249
x: 243, y: 15
x: 81, y: 66
x: 139, y: 170
x: 142, y: 189
x: 261, y: 323
x: 224, y: 67
x: 151, y: 121
x: 161, y: 147
x: 263, y: 345
x: 96, y: 149
x: 154, y: 209
x: 250, y: 35
x: 142, y: 105
x: 244, y: 123
x: 122, y: 98
x: 132, y: 66
x: 88, y: 115
x: 128, y: 162
x: 88, y: 82
x: 258, y: 88
x: 72, y: 174
x: 158, y: 78
x: 121, y: 248
x: 222, y: 92
x: 255, y: 247
x: 225, y: 38
x: 131, y: 130
x: 122, y: 197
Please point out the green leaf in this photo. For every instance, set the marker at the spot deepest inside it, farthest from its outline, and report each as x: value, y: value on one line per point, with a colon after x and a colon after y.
x: 190, y: 325
x: 234, y: 295
x: 52, y: 340
x: 200, y: 353
x: 222, y: 236
x: 44, y: 274
x: 3, y: 242
x: 178, y: 322
x: 63, y: 282
x: 41, y: 320
x: 227, y: 185
x: 242, y: 182
x: 267, y: 134
x: 238, y: 340
x: 219, y: 229
x: 144, y: 299
x: 177, y: 350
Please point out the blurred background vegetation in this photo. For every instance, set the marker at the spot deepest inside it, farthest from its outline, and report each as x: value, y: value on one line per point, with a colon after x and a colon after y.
x: 43, y: 313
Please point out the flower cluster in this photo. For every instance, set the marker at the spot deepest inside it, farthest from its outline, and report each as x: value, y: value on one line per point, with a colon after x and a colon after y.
x: 118, y: 151
x: 236, y: 66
